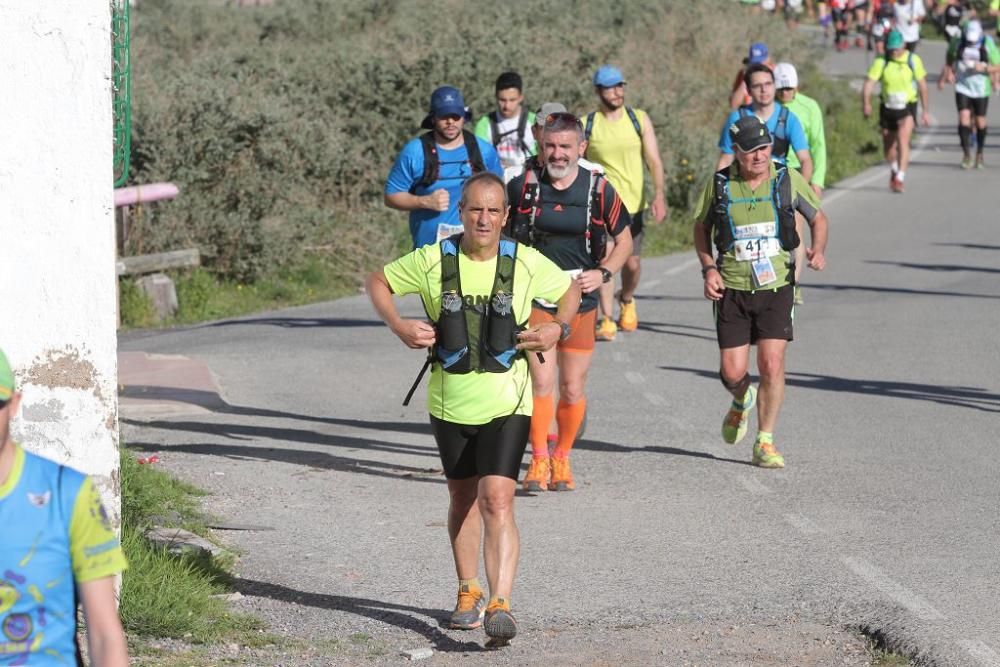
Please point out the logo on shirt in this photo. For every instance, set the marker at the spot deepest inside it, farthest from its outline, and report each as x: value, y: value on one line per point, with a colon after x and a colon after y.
x: 17, y: 627
x: 557, y: 207
x: 39, y: 499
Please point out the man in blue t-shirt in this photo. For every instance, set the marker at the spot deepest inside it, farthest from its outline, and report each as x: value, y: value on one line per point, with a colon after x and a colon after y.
x: 785, y: 127
x: 427, y: 178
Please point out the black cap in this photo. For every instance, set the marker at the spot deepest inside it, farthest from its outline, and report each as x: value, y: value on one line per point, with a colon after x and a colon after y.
x: 749, y: 133
x: 509, y: 80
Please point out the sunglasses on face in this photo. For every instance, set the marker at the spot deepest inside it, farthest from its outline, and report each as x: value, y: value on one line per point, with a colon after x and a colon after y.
x: 454, y: 117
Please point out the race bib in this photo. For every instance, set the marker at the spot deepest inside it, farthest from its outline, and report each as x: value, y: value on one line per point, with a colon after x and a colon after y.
x: 756, y: 241
x: 572, y: 273
x: 446, y: 231
x: 896, y: 101
x: 763, y: 272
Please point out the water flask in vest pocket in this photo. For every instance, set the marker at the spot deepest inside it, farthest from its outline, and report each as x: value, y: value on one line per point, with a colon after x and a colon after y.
x: 502, y: 327
x: 451, y: 324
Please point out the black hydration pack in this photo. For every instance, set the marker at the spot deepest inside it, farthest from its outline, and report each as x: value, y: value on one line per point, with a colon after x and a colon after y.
x: 432, y: 163
x: 779, y: 151
x: 780, y: 198
x: 588, y: 127
x: 524, y: 214
x: 522, y: 127
x: 472, y: 335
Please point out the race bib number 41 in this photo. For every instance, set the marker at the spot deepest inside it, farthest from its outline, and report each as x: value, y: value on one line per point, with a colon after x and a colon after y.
x: 756, y: 241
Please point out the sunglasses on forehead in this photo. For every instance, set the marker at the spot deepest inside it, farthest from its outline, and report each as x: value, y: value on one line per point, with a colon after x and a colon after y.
x: 561, y: 119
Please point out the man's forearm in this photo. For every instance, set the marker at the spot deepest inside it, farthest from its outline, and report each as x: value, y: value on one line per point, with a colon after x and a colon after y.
x: 405, y: 201
x: 380, y: 295
x: 568, y: 303
x: 818, y: 232
x: 620, y: 253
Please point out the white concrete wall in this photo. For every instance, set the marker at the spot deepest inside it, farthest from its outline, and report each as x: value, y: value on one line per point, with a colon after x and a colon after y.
x: 57, y: 246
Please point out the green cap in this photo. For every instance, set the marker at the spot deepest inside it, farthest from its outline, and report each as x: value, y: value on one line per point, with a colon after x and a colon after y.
x: 6, y: 378
x: 894, y: 40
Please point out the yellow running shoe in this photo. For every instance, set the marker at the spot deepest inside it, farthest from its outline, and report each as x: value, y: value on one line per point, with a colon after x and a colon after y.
x: 537, y: 477
x: 606, y: 330
x: 628, y: 318
x: 562, y: 476
x: 766, y: 456
x: 734, y: 424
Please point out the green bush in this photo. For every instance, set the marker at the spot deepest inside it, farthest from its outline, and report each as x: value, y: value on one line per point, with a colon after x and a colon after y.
x: 134, y: 306
x: 281, y: 123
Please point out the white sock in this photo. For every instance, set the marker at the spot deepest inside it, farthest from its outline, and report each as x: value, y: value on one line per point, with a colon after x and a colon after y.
x: 895, y: 166
x: 900, y: 175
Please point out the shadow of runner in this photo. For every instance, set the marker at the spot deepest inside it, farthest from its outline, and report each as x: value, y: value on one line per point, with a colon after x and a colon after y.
x: 664, y: 328
x: 898, y: 290
x: 300, y: 322
x: 971, y: 246
x: 397, y: 615
x: 974, y: 398
x: 936, y: 267
x: 601, y: 446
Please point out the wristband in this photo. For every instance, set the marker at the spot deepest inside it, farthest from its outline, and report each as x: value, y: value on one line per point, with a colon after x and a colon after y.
x: 706, y: 269
x: 605, y: 274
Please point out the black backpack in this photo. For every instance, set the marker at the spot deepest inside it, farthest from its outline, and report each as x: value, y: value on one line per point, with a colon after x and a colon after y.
x: 589, y: 126
x: 432, y: 164
x: 522, y: 127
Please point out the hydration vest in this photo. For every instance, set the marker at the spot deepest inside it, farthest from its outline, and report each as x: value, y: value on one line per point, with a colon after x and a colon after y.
x: 471, y: 335
x: 780, y: 134
x: 432, y: 163
x: 957, y: 49
x: 779, y: 197
x: 522, y: 225
x: 588, y: 127
x: 522, y: 126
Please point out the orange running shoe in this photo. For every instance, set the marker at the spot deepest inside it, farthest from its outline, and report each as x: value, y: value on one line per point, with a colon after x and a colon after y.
x: 537, y: 477
x: 628, y: 318
x: 562, y: 476
x: 500, y: 625
x: 469, y: 610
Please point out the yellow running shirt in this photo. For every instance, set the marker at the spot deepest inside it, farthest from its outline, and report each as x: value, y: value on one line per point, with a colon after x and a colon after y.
x: 618, y: 148
x: 897, y: 79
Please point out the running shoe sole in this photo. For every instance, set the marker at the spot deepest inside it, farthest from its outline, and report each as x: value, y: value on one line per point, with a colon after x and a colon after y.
x: 533, y: 487
x: 560, y: 486
x: 500, y: 627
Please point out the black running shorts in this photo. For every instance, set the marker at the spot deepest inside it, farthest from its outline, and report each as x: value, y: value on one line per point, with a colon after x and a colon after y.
x: 888, y: 119
x: 745, y: 317
x: 495, y: 448
x: 978, y: 105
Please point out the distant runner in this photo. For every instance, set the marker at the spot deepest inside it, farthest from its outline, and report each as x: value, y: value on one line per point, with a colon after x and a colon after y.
x: 428, y: 174
x: 508, y: 128
x: 903, y: 81
x: 747, y: 212
x: 739, y: 95
x: 568, y: 214
x: 909, y: 15
x: 477, y: 288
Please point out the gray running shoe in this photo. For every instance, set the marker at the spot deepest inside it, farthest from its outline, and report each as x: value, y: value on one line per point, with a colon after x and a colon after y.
x: 469, y: 610
x: 500, y: 625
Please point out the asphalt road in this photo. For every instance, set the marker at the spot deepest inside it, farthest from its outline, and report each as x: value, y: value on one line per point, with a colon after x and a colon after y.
x: 886, y: 516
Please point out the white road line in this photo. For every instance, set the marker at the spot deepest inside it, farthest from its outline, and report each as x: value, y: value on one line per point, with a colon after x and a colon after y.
x: 981, y: 652
x: 649, y: 284
x: 919, y: 607
x: 655, y: 399
x: 803, y: 524
x: 754, y: 486
x: 634, y: 378
x: 683, y: 266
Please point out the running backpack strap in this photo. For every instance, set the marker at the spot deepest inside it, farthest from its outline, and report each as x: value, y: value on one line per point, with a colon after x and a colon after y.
x: 523, y: 228
x: 718, y: 216
x: 432, y: 162
x: 784, y: 206
x: 522, y: 128
x: 475, y: 156
x: 498, y: 342
x: 597, y: 226
x: 781, y: 129
x: 494, y: 127
x: 635, y: 121
x: 588, y: 127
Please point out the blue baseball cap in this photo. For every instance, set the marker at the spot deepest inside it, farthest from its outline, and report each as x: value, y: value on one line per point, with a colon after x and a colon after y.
x: 607, y: 76
x: 758, y: 53
x: 446, y: 101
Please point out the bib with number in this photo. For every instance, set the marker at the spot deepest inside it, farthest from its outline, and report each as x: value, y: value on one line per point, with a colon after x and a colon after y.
x: 756, y: 241
x: 445, y: 231
x: 897, y: 101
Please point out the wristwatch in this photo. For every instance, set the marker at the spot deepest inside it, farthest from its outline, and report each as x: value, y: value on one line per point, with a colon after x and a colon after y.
x: 605, y: 274
x: 566, y: 330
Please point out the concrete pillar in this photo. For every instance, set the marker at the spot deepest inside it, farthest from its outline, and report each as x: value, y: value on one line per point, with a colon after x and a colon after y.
x: 57, y: 243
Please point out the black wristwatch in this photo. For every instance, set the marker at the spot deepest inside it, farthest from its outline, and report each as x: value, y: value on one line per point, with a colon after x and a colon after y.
x: 605, y: 274
x: 566, y: 330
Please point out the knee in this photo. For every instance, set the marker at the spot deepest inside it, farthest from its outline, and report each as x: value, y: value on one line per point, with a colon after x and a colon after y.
x: 463, y: 499
x: 632, y: 263
x: 771, y: 366
x: 571, y: 391
x: 495, y: 504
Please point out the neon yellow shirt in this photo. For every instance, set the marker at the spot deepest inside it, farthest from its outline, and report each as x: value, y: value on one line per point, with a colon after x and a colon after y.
x: 478, y: 398
x: 897, y: 78
x: 618, y: 148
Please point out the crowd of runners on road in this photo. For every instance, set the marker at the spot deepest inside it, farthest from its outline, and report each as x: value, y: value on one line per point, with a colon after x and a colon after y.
x: 519, y: 229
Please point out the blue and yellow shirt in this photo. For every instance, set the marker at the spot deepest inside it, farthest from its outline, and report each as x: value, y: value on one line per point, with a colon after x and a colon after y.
x: 54, y: 534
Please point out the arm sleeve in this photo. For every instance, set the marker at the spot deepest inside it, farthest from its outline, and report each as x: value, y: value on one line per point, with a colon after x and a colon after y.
x: 482, y: 129
x: 407, y: 170
x: 616, y: 217
x: 95, y: 551
x: 408, y: 274
x: 797, y: 134
x: 805, y: 202
x: 725, y: 143
x: 817, y: 147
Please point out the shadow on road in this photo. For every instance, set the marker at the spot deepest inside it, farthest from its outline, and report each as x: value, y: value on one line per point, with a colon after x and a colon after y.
x: 937, y: 267
x: 400, y: 616
x: 975, y: 398
x: 898, y: 290
x: 664, y: 328
x: 667, y: 297
x: 971, y: 246
x: 301, y: 322
x: 601, y: 446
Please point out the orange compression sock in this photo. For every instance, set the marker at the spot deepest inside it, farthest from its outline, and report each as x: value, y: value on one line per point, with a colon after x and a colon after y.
x: 541, y: 417
x: 569, y: 416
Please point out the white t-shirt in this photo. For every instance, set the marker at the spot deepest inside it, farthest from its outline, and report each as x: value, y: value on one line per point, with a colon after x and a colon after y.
x: 511, y: 152
x: 907, y: 14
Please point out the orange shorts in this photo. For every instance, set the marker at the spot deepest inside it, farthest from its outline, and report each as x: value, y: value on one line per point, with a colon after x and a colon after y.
x: 583, y: 324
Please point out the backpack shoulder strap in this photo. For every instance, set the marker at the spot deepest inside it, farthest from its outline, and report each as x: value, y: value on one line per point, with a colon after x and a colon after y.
x: 720, y: 196
x: 474, y: 154
x: 431, y: 161
x: 781, y: 129
x: 522, y: 128
x: 588, y: 127
x: 635, y: 121
x: 494, y: 127
x: 450, y: 279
